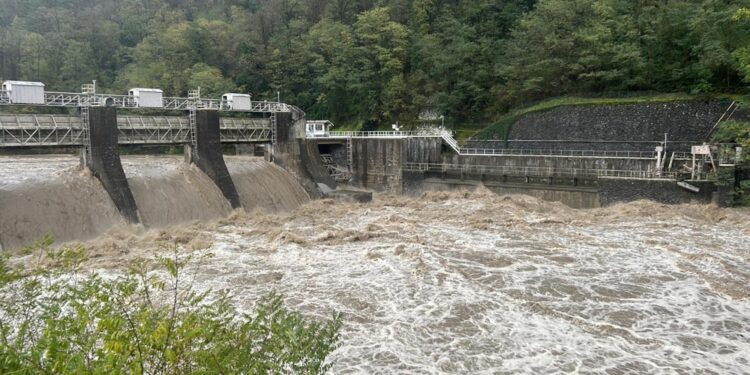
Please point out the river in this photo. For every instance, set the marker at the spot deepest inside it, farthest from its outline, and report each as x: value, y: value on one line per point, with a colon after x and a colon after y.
x: 473, y: 282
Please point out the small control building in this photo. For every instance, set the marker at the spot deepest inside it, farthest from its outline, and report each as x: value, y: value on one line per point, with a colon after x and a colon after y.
x: 321, y: 128
x: 237, y: 102
x: 23, y: 92
x: 147, y: 98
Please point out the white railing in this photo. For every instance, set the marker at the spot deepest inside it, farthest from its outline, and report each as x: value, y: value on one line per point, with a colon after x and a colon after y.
x: 536, y: 171
x: 450, y: 141
x: 552, y: 152
x: 374, y: 134
x: 448, y: 138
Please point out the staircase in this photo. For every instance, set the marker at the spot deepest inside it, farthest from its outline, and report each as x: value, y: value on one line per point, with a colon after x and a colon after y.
x: 339, y: 174
x: 448, y: 138
x: 193, y: 128
x: 86, y: 133
x: 350, y: 154
x: 273, y: 129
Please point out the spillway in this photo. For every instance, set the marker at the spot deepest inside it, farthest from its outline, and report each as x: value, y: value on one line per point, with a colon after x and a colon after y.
x: 49, y: 194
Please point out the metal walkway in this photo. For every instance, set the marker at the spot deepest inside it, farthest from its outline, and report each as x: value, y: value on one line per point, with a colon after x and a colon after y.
x: 69, y: 99
x: 57, y: 130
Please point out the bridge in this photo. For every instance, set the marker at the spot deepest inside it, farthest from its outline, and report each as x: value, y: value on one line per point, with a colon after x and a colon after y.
x: 99, y: 129
x: 41, y: 130
x: 60, y: 130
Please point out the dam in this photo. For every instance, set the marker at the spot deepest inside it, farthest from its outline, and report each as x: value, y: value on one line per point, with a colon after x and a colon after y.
x: 564, y: 155
x: 513, y: 255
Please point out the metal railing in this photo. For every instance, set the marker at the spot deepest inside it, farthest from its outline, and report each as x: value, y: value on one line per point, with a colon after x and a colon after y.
x: 680, y: 155
x: 450, y: 141
x: 553, y: 152
x: 537, y: 171
x: 69, y: 99
x: 375, y: 134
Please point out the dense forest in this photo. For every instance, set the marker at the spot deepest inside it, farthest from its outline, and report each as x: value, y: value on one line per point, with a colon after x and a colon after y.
x: 373, y: 62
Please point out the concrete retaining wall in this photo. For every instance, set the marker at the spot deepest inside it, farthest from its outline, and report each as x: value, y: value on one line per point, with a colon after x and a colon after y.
x: 616, y: 190
x: 633, y: 127
x: 377, y: 163
x: 299, y: 156
x: 416, y: 183
x: 424, y: 150
x: 551, y: 162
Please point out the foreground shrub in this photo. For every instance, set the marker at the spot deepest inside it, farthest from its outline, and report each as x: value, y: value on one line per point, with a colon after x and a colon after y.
x: 61, y: 322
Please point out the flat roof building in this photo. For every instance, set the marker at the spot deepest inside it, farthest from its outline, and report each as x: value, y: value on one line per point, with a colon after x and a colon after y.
x: 24, y: 92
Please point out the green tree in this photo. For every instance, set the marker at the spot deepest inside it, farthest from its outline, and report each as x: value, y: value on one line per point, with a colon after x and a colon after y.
x: 381, y: 59
x: 742, y: 54
x: 210, y: 81
x: 568, y: 46
x: 59, y: 320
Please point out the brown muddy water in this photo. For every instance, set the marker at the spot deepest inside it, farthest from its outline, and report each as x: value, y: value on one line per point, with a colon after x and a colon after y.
x: 472, y: 282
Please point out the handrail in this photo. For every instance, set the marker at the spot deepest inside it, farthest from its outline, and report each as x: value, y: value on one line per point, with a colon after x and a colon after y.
x: 554, y: 152
x: 448, y: 138
x: 538, y: 171
x: 375, y: 134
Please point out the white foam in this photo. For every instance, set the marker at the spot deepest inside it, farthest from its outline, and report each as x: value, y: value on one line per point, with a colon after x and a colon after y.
x: 524, y: 297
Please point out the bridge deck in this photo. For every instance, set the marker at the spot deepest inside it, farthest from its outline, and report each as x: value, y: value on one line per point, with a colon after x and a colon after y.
x: 60, y: 130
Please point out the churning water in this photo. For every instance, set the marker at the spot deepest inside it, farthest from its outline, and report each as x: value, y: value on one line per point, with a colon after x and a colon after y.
x: 50, y: 194
x: 478, y: 283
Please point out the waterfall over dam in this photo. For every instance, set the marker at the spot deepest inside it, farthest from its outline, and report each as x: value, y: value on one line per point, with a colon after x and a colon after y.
x: 50, y: 194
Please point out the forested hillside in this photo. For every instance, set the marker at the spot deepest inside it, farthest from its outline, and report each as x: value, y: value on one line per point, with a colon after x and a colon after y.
x: 373, y: 62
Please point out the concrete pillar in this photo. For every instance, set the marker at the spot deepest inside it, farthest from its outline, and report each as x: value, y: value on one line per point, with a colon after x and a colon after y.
x: 105, y: 163
x: 208, y: 155
x: 725, y: 186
